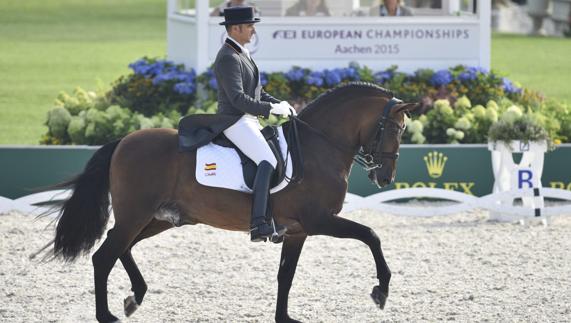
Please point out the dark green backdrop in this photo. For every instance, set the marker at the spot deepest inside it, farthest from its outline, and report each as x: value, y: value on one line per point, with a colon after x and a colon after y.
x: 467, y: 169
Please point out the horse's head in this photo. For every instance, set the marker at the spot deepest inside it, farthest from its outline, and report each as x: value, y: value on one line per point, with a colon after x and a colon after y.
x: 380, y: 151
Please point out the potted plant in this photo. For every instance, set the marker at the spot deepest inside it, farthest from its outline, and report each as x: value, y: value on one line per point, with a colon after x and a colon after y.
x: 517, y: 133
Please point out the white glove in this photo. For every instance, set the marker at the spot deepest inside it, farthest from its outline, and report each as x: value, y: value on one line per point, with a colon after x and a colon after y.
x: 283, y: 108
x: 292, y: 110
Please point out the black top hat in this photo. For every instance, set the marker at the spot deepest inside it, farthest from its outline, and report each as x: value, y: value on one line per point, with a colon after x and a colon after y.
x: 239, y: 15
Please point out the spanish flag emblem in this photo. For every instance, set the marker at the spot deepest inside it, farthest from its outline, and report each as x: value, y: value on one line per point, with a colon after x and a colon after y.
x: 209, y: 167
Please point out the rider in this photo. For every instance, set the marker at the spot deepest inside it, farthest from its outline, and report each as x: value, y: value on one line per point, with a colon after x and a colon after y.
x: 240, y: 94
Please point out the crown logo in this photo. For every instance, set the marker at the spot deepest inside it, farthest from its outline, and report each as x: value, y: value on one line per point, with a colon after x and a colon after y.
x: 435, y: 162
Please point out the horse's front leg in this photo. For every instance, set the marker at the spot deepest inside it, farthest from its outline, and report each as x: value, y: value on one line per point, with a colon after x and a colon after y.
x: 339, y: 227
x: 291, y: 250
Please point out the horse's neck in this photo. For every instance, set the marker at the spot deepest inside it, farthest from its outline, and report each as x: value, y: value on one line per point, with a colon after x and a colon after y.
x: 322, y: 155
x: 341, y: 123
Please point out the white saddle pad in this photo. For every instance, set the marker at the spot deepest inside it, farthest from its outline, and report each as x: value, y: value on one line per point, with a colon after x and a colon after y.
x: 219, y: 166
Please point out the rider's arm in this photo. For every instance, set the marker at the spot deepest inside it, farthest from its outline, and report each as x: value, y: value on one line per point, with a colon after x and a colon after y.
x: 264, y: 96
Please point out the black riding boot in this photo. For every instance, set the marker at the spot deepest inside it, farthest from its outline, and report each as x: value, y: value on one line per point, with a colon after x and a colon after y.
x: 260, y: 227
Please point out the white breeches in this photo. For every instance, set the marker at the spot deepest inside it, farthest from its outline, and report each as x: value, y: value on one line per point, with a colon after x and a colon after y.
x: 246, y: 135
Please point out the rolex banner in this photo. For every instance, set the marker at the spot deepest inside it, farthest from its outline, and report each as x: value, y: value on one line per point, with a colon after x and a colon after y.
x: 462, y: 168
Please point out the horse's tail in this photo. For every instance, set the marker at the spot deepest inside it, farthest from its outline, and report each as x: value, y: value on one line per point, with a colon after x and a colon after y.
x: 83, y: 217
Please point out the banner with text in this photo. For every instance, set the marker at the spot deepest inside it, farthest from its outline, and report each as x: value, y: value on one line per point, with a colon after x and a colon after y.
x: 446, y: 41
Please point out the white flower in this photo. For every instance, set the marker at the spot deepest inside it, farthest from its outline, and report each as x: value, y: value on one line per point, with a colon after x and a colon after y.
x: 463, y: 102
x: 463, y: 123
x: 512, y: 114
x: 479, y: 112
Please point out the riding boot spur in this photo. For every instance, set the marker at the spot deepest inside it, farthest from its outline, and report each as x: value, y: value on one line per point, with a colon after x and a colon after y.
x: 262, y: 228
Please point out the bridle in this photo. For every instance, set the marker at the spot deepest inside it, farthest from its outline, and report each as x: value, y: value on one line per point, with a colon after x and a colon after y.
x: 369, y: 155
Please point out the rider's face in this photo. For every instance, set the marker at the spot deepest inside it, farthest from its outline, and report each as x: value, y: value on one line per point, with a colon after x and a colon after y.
x: 243, y: 33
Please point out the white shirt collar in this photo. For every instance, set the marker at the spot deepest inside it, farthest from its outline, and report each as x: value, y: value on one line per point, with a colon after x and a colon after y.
x: 244, y: 49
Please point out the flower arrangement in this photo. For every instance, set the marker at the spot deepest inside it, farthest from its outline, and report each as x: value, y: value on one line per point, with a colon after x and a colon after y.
x: 155, y: 86
x: 459, y: 104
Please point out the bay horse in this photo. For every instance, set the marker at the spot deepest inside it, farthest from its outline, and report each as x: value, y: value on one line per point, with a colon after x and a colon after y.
x: 148, y: 177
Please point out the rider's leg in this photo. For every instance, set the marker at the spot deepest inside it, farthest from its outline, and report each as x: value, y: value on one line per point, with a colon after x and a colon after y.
x: 245, y: 134
x: 260, y: 229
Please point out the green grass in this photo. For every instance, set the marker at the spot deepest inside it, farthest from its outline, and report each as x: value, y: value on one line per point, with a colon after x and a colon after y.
x: 538, y: 63
x: 48, y: 46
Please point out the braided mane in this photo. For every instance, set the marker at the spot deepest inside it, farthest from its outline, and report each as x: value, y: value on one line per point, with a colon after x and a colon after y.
x: 342, y: 89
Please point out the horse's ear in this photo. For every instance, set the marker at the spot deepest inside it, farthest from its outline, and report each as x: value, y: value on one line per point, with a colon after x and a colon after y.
x: 409, y: 108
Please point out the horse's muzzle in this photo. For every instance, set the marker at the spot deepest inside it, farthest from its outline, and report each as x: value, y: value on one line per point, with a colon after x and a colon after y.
x: 382, y: 182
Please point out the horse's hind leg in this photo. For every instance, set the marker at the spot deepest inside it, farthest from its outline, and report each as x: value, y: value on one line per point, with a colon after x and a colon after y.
x: 128, y: 225
x: 138, y: 285
x: 115, y: 245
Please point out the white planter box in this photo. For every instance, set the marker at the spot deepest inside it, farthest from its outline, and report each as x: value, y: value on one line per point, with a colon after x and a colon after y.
x: 509, y: 176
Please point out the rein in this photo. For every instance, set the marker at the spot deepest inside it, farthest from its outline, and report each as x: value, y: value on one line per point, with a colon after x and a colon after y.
x: 292, y: 138
x: 322, y: 135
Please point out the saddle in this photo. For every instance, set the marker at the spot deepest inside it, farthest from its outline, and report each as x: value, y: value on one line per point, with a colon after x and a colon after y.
x: 197, y: 132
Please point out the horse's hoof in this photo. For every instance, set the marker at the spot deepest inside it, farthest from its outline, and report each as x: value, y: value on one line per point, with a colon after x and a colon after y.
x: 379, y: 297
x: 107, y: 318
x: 287, y: 320
x: 130, y: 305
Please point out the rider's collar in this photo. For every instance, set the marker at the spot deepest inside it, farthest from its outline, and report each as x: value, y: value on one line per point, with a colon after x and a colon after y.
x: 237, y: 47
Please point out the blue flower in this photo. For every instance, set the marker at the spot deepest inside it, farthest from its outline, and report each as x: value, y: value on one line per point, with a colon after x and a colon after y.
x: 471, y: 73
x: 315, y: 78
x: 350, y: 73
x: 150, y: 69
x: 478, y: 69
x: 295, y: 74
x: 188, y: 76
x: 166, y: 76
x: 264, y: 78
x: 384, y: 76
x: 184, y: 88
x: 213, y: 83
x: 175, y: 74
x: 442, y: 77
x: 509, y: 87
x: 332, y: 77
x: 141, y: 67
x: 467, y: 76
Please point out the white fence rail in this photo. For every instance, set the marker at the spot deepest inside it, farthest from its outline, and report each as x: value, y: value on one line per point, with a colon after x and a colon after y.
x: 32, y: 204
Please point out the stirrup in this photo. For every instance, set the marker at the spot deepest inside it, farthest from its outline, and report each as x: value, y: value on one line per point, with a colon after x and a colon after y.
x: 266, y: 231
x: 261, y: 232
x: 278, y: 234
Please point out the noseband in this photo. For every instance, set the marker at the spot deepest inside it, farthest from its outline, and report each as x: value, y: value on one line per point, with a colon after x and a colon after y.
x: 369, y: 155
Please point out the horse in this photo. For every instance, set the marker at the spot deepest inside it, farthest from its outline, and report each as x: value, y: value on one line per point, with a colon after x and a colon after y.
x: 147, y: 177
